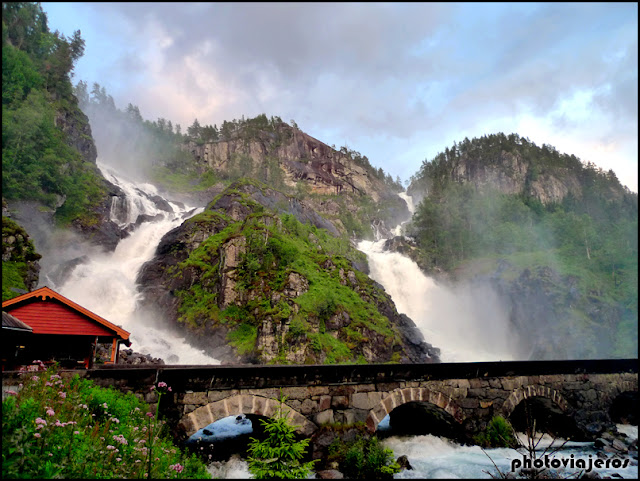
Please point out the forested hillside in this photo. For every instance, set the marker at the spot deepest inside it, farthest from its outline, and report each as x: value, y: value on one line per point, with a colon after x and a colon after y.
x: 502, y: 206
x: 48, y: 154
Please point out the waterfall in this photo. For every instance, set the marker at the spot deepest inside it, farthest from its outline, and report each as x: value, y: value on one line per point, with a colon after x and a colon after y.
x: 467, y: 323
x: 106, y: 282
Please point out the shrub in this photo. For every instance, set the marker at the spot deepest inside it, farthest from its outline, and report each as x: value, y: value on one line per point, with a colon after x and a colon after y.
x: 497, y: 434
x: 368, y: 459
x: 70, y: 428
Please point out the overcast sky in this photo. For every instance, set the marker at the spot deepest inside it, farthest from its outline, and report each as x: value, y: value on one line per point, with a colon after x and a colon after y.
x: 396, y: 82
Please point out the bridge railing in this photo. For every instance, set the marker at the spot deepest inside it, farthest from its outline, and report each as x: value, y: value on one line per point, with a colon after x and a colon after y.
x: 218, y: 377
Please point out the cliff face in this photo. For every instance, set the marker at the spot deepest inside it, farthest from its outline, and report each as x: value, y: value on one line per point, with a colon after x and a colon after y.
x: 257, y: 277
x: 302, y: 162
x: 509, y: 173
x: 96, y: 225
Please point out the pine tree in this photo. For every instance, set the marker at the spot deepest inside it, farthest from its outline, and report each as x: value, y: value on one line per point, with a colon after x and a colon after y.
x: 279, y: 455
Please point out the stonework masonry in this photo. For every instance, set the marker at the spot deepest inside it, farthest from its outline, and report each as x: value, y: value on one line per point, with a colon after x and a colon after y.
x: 471, y: 393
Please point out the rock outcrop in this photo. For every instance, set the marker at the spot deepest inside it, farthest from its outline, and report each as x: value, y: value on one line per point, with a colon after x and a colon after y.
x: 302, y: 162
x: 509, y: 173
x: 258, y: 277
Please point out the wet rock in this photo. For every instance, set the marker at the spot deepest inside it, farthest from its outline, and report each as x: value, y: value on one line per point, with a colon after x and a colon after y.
x: 591, y: 475
x: 329, y: 474
x: 403, y: 462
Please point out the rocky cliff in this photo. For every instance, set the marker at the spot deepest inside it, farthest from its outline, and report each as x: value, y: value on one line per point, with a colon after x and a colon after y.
x: 513, y: 165
x: 335, y: 182
x: 509, y: 173
x: 258, y: 277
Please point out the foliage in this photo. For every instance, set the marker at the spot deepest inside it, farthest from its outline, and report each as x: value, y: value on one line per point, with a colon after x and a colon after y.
x: 498, y: 434
x: 366, y: 458
x: 18, y: 251
x: 38, y: 161
x: 276, y: 247
x: 56, y: 426
x: 593, y: 239
x: 280, y: 454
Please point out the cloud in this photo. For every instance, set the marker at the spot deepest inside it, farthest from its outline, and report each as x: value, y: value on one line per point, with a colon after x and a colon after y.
x: 378, y: 75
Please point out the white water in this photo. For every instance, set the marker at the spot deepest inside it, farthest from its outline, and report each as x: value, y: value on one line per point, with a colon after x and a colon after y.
x: 468, y: 324
x: 433, y: 457
x: 106, y: 284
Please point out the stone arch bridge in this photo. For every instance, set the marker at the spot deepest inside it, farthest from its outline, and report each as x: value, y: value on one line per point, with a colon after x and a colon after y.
x: 316, y: 395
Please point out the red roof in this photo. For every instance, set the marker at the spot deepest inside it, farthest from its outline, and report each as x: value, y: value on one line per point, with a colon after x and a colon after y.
x: 48, y: 312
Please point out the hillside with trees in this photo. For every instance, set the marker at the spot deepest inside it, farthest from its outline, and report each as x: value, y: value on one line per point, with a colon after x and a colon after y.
x: 48, y: 154
x: 501, y: 208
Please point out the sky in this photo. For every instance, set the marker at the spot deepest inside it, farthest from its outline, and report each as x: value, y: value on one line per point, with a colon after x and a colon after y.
x: 397, y: 82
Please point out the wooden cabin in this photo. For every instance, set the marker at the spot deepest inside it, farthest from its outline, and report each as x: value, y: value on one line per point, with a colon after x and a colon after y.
x: 46, y: 326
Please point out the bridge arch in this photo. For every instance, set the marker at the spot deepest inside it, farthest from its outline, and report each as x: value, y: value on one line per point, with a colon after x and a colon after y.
x: 534, y: 390
x: 401, y: 396
x: 243, y: 404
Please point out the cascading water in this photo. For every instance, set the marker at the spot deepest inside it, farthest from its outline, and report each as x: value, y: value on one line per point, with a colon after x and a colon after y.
x: 468, y: 325
x: 106, y: 283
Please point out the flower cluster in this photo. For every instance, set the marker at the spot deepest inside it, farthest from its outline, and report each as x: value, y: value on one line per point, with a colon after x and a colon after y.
x: 121, y: 439
x: 161, y: 388
x: 177, y: 467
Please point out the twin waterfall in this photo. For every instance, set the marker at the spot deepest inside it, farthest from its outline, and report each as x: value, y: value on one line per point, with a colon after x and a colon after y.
x: 465, y: 322
x: 466, y: 325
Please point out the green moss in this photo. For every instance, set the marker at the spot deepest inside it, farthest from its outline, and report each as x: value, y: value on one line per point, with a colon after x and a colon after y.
x: 276, y: 247
x: 12, y: 277
x: 243, y: 338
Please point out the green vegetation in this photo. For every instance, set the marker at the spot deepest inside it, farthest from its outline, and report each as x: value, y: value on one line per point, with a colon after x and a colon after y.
x: 276, y: 253
x: 591, y: 242
x: 18, y: 250
x: 56, y: 427
x: 366, y: 458
x: 280, y: 454
x: 498, y: 434
x: 38, y: 161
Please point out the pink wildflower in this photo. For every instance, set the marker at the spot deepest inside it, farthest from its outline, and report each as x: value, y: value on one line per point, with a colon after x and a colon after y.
x: 11, y: 393
x: 62, y: 394
x: 150, y: 414
x: 118, y: 459
x: 177, y: 467
x: 76, y: 432
x: 37, y: 435
x: 50, y: 412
